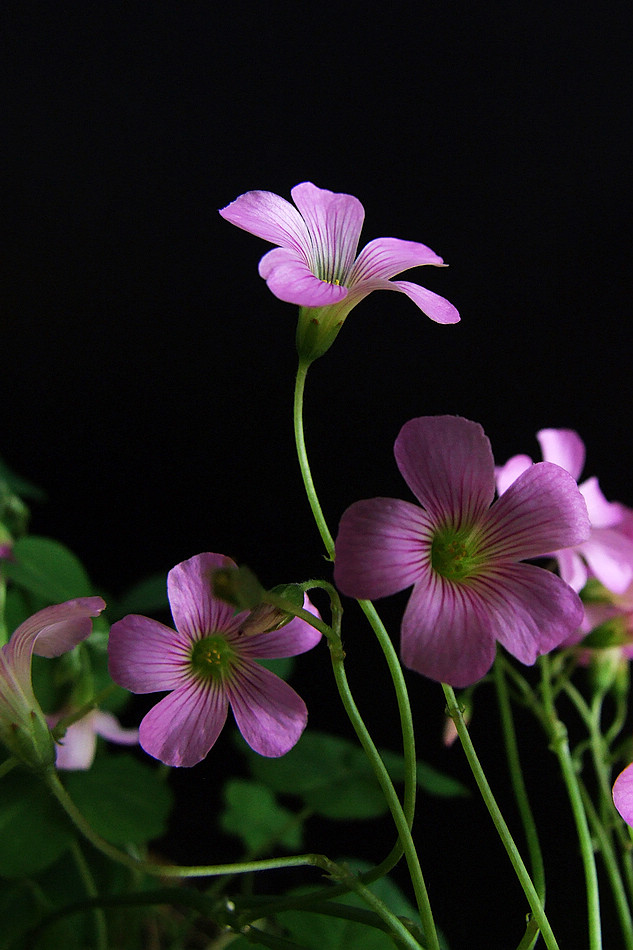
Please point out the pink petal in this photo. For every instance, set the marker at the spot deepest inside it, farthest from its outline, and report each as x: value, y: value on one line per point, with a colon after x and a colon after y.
x: 386, y: 257
x: 572, y: 569
x: 77, y: 749
x: 296, y: 637
x: 609, y: 555
x: 382, y: 547
x: 109, y: 727
x: 508, y: 473
x: 564, y: 447
x: 602, y: 513
x: 623, y: 794
x: 447, y: 463
x: 183, y: 726
x: 446, y: 632
x: 50, y: 632
x: 540, y: 512
x: 290, y: 278
x: 196, y: 612
x: 533, y: 610
x: 145, y: 656
x: 435, y: 307
x: 270, y: 217
x: 268, y: 712
x: 334, y: 222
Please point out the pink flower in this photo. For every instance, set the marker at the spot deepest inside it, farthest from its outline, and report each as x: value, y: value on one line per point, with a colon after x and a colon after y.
x: 208, y: 664
x: 76, y: 750
x: 49, y: 632
x: 623, y: 794
x: 608, y: 552
x: 461, y: 555
x: 315, y: 263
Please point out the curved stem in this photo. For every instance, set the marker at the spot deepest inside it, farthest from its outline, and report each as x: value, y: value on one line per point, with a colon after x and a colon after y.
x: 498, y: 820
x: 399, y: 817
x: 393, y: 663
x: 558, y: 738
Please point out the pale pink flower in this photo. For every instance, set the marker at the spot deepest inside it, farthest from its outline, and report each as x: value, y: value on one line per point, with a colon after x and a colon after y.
x: 315, y: 263
x: 607, y: 553
x: 76, y: 750
x: 207, y: 663
x: 462, y: 555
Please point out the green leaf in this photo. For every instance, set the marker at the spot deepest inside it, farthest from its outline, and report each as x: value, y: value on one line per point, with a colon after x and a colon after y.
x: 336, y: 780
x: 125, y: 801
x: 253, y: 814
x: 330, y: 774
x: 46, y: 568
x: 149, y: 596
x: 20, y: 485
x: 33, y: 830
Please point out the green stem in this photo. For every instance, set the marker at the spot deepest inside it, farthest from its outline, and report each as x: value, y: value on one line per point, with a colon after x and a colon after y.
x: 101, y: 934
x: 393, y: 663
x: 518, y: 783
x: 498, y: 820
x: 170, y: 870
x: 397, y: 812
x: 557, y: 733
x: 335, y: 871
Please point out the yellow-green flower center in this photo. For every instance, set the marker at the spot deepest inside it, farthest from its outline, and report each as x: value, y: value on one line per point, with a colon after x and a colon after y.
x: 455, y: 554
x: 212, y: 657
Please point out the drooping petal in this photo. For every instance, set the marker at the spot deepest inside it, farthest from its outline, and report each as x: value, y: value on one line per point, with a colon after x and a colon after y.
x: 508, y: 473
x: 334, y: 222
x: 294, y: 638
x: 145, y: 656
x: 271, y: 217
x: 290, y: 278
x: 609, y: 555
x: 564, y: 447
x: 540, y: 512
x: 446, y: 632
x: 623, y: 794
x: 268, y: 712
x: 196, y: 611
x: 386, y: 257
x: 532, y: 611
x: 183, y: 726
x: 51, y: 632
x: 382, y: 547
x: 435, y: 307
x: 447, y: 463
x: 108, y: 727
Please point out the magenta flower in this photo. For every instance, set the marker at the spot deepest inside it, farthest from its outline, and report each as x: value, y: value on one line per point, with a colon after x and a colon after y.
x: 315, y: 263
x: 76, y: 750
x: 208, y: 663
x: 462, y: 556
x: 623, y: 794
x: 608, y: 552
x: 49, y: 632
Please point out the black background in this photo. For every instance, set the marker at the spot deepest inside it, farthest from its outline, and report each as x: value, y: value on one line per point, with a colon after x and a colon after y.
x: 147, y: 372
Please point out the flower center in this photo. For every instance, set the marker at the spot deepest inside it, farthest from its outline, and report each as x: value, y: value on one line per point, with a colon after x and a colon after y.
x: 212, y: 657
x: 455, y: 554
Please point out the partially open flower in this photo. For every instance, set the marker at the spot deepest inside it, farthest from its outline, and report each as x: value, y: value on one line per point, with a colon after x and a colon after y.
x: 49, y: 632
